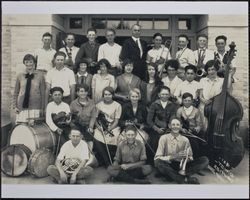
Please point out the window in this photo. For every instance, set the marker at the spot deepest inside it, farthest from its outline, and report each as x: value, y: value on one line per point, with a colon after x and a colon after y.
x: 184, y: 24
x: 128, y: 23
x: 98, y: 23
x: 161, y: 24
x: 75, y: 23
x: 146, y: 23
x: 114, y: 23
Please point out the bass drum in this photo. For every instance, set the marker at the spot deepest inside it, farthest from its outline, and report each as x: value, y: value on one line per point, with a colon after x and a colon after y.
x: 14, y: 159
x: 39, y: 161
x: 34, y: 137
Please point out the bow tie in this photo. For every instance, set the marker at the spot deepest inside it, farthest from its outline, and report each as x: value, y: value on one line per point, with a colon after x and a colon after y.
x: 29, y: 76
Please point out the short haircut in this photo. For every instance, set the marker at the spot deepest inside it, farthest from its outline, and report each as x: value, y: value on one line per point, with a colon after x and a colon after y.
x: 130, y: 128
x: 174, y: 63
x: 183, y: 35
x: 59, y: 53
x: 135, y: 25
x: 163, y: 87
x: 103, y: 61
x: 84, y: 86
x: 157, y: 34
x: 221, y: 37
x: 135, y: 90
x: 174, y: 117
x: 186, y: 95
x: 209, y: 64
x: 82, y: 60
x: 202, y: 35
x: 111, y: 30
x: 192, y: 67
x: 91, y: 29
x: 77, y: 129
x: 70, y: 34
x: 52, y: 90
x: 29, y: 57
x: 109, y: 89
x: 47, y: 34
x: 125, y: 62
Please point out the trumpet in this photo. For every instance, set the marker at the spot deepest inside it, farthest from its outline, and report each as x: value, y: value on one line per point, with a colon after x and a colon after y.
x: 183, y: 163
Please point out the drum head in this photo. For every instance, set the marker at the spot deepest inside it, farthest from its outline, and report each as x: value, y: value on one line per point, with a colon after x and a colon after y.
x: 22, y: 134
x: 39, y: 162
x: 15, y: 160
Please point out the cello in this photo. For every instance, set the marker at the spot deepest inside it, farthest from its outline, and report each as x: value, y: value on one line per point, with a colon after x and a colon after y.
x: 224, y: 114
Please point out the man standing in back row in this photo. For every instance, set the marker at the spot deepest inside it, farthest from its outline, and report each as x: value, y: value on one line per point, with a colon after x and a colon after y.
x: 135, y: 49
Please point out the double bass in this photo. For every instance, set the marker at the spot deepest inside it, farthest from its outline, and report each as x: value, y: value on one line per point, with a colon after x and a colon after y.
x: 224, y: 114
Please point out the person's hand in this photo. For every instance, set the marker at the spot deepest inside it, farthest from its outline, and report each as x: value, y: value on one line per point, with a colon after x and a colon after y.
x: 118, y: 65
x: 197, y: 129
x: 91, y: 130
x: 72, y: 178
x: 159, y: 130
x: 184, y: 130
x: 59, y: 131
x: 124, y: 166
x: 142, y: 126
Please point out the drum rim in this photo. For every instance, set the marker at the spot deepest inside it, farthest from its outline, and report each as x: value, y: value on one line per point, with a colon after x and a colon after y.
x: 27, y: 154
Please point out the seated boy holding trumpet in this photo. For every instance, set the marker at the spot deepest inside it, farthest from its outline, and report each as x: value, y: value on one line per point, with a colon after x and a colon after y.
x: 174, y: 157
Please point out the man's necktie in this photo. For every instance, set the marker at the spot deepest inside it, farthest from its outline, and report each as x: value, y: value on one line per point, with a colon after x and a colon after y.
x: 137, y: 43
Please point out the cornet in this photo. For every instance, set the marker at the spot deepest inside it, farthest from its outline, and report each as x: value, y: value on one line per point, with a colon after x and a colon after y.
x: 183, y: 163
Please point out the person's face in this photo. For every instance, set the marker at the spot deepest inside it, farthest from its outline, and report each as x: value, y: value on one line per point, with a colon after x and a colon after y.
x: 110, y: 36
x: 130, y: 135
x: 220, y: 44
x: 182, y: 42
x: 134, y: 97
x: 75, y: 137
x: 211, y: 71
x: 136, y: 31
x: 164, y: 95
x: 128, y: 68
x: 171, y: 72
x: 70, y: 40
x: 158, y: 41
x: 83, y: 67
x: 202, y: 42
x: 59, y: 61
x: 103, y: 68
x: 57, y: 97
x: 107, y: 96
x: 187, y: 102
x: 91, y: 36
x: 47, y: 40
x: 151, y: 71
x: 175, y: 126
x: 82, y: 93
x: 30, y: 65
x: 190, y: 75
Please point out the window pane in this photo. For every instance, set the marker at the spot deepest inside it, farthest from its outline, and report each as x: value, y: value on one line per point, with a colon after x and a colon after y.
x: 128, y: 23
x: 75, y: 23
x: 184, y: 24
x: 98, y: 23
x: 161, y: 24
x: 146, y: 23
x: 114, y: 23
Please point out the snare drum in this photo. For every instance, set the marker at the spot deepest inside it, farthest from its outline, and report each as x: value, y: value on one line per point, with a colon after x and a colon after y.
x: 39, y: 161
x: 15, y: 159
x: 34, y: 137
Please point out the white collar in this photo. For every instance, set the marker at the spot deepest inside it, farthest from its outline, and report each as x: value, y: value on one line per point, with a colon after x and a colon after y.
x: 135, y: 38
x: 189, y: 109
x: 172, y: 137
x: 79, y: 75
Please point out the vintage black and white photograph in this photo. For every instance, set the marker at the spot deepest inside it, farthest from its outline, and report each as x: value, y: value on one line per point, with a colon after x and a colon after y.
x: 141, y: 97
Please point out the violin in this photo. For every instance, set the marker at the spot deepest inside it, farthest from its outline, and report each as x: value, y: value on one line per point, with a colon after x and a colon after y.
x: 224, y: 114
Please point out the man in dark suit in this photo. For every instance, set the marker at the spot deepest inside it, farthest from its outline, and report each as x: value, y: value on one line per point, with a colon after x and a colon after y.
x: 135, y: 49
x: 89, y: 51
